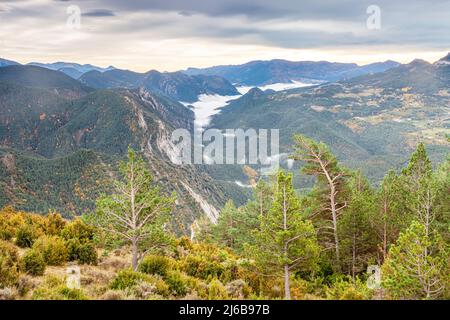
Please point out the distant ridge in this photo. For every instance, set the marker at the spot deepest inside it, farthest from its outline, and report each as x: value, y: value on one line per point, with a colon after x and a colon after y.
x: 256, y: 73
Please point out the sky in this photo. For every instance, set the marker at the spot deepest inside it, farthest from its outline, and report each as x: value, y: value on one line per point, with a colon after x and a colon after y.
x: 169, y: 35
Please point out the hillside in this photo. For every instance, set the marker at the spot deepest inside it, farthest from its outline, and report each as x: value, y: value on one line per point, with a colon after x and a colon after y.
x: 60, y: 151
x: 371, y: 122
x: 31, y: 76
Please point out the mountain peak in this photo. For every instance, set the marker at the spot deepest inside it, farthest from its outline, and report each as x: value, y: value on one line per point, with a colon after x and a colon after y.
x: 418, y: 62
x: 5, y: 63
x: 254, y: 92
x: 444, y: 60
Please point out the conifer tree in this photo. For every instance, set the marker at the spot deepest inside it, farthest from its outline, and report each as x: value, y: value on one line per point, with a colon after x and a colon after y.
x: 136, y: 212
x: 392, y: 215
x: 417, y: 265
x: 320, y: 162
x: 421, y: 187
x: 358, y: 238
x: 285, y: 242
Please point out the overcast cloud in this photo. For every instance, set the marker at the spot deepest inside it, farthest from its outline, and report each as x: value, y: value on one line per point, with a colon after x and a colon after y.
x: 174, y: 34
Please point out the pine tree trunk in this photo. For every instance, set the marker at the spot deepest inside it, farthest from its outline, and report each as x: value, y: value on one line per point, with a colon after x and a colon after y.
x: 135, y: 255
x: 334, y: 216
x: 287, y: 287
x: 354, y: 256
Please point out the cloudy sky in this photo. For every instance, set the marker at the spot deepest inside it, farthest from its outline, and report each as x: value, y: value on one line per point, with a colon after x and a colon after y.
x: 174, y: 34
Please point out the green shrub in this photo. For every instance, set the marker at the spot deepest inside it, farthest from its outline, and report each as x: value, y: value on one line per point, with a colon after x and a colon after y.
x: 343, y: 288
x: 153, y: 264
x: 53, y: 250
x: 9, y: 265
x: 53, y: 224
x: 200, y: 267
x: 177, y: 283
x: 79, y: 241
x: 127, y: 279
x: 77, y: 229
x: 26, y: 235
x: 87, y: 254
x: 84, y: 253
x: 6, y: 230
x: 54, y: 288
x: 34, y: 263
x: 162, y: 288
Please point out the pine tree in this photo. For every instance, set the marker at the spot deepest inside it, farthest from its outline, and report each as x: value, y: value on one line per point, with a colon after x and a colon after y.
x: 320, y: 162
x: 226, y: 230
x: 358, y: 238
x: 442, y: 204
x: 421, y: 186
x: 137, y: 212
x: 392, y: 215
x: 417, y: 265
x: 285, y: 241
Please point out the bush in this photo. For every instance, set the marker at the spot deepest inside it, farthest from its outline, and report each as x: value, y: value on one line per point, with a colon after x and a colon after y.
x: 6, y: 230
x: 26, y: 235
x: 177, y: 283
x: 151, y: 288
x: 53, y: 250
x: 87, y: 254
x: 153, y: 264
x: 77, y: 229
x: 34, y: 263
x: 84, y: 253
x: 9, y: 265
x: 344, y: 289
x: 79, y: 240
x: 53, y: 224
x: 199, y: 267
x: 53, y: 288
x: 126, y: 279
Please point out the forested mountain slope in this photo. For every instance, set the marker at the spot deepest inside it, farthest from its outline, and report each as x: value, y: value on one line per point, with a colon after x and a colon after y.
x: 61, y: 141
x: 371, y: 122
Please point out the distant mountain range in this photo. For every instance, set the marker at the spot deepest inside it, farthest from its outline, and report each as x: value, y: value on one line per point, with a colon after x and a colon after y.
x: 257, y: 73
x: 187, y: 85
x: 73, y: 70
